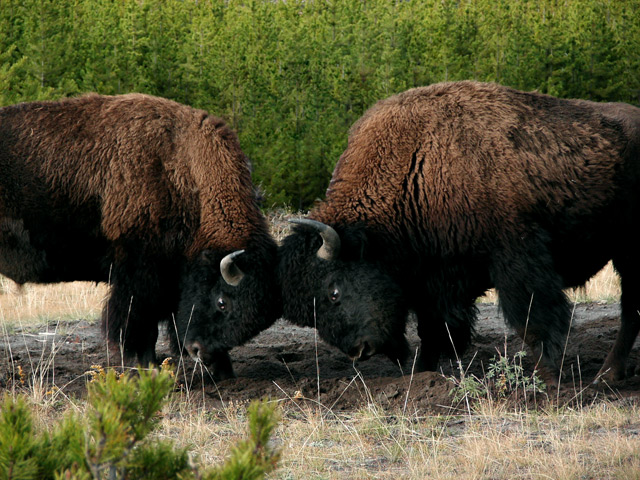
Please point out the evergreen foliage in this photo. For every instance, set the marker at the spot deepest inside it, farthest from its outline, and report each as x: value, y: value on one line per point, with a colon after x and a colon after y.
x: 112, y: 440
x: 292, y: 76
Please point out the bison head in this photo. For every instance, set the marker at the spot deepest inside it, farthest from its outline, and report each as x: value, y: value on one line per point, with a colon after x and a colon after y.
x: 226, y: 300
x: 328, y: 283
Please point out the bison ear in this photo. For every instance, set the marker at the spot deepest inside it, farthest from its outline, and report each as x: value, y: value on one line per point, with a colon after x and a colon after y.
x: 207, y: 257
x: 230, y: 272
x: 330, y: 248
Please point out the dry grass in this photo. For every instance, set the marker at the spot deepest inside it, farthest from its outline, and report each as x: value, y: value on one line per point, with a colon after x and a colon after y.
x: 493, y: 442
x: 592, y: 443
x: 33, y: 303
x: 603, y: 287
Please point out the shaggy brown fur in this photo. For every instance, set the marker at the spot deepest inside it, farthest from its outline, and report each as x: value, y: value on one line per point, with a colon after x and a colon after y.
x: 459, y: 187
x: 127, y: 189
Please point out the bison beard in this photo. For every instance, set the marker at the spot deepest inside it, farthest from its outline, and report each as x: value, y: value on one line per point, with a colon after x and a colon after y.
x: 446, y: 191
x: 140, y: 192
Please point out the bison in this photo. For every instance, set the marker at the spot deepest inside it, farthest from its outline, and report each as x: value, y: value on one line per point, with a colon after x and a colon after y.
x: 151, y: 196
x: 448, y: 190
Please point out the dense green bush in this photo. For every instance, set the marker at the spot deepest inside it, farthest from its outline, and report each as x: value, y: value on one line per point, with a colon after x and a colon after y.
x: 292, y: 76
x: 112, y: 441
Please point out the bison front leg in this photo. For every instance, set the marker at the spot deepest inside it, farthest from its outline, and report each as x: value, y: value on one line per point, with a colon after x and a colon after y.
x: 441, y: 334
x: 615, y: 365
x: 139, y: 299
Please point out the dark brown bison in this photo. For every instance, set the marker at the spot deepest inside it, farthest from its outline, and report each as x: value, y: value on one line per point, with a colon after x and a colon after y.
x: 448, y: 190
x: 151, y: 196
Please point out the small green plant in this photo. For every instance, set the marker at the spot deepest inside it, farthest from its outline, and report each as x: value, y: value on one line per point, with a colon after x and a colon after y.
x: 467, y: 386
x: 255, y: 456
x: 505, y: 377
x: 112, y: 439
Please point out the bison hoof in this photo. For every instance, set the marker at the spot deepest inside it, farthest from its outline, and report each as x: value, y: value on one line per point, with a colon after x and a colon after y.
x: 609, y: 374
x: 551, y: 376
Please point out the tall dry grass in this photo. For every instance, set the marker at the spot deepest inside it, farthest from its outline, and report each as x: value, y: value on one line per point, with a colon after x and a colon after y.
x: 33, y: 303
x: 602, y: 287
x: 493, y: 441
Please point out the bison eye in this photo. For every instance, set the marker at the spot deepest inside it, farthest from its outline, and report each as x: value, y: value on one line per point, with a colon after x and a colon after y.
x: 334, y: 294
x: 222, y: 304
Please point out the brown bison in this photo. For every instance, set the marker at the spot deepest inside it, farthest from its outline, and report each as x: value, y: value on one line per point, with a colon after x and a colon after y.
x: 448, y: 190
x: 151, y: 196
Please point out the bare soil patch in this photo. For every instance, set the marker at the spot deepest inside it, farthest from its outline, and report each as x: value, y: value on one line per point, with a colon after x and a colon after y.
x: 292, y: 363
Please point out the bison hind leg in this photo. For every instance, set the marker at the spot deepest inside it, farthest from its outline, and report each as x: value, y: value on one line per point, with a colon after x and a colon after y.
x: 19, y: 260
x: 540, y: 313
x: 615, y: 365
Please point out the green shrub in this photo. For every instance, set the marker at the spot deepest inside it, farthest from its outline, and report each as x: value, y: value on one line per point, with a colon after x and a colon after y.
x: 505, y: 378
x: 111, y: 440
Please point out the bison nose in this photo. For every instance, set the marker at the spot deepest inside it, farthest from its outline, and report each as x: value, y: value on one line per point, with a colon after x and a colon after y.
x: 195, y: 350
x: 361, y: 350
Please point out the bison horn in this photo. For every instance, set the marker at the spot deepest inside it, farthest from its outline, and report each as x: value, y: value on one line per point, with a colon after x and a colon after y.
x: 330, y: 248
x: 229, y: 270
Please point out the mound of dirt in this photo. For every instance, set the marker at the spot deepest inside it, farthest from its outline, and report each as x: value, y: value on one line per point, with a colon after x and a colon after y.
x: 292, y: 363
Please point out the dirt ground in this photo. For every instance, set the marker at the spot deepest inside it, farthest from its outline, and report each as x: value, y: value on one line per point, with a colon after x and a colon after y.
x: 288, y: 362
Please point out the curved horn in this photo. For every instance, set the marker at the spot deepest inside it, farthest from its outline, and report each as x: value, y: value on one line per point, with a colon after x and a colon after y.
x: 330, y: 248
x: 229, y: 270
